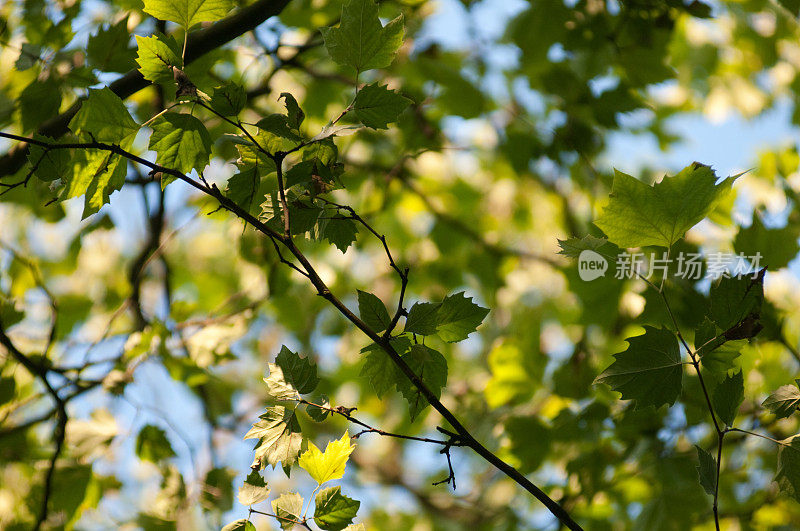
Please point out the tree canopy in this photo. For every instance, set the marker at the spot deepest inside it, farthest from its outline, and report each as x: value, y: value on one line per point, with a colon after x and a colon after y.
x: 373, y: 265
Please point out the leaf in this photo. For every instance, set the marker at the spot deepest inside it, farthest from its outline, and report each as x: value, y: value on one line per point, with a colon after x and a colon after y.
x: 181, y: 142
x: 572, y: 247
x: 784, y: 401
x: 152, y: 444
x: 341, y: 232
x: 361, y: 41
x: 373, y: 312
x: 649, y: 372
x: 8, y: 387
x: 279, y: 437
x: 295, y: 114
x: 777, y: 247
x: 253, y: 490
x: 422, y: 318
x: 38, y: 102
x: 788, y: 473
x: 288, y: 507
x: 728, y: 396
x: 299, y: 372
x: 639, y: 215
x: 319, y: 414
x: 187, y: 13
x: 278, y: 384
x: 108, y: 49
x: 105, y: 118
x: 333, y: 510
x: 736, y: 305
x: 328, y: 465
x: 242, y: 524
x: 247, y: 189
x: 717, y: 354
x: 431, y: 367
x: 50, y: 165
x: 229, y: 99
x: 156, y: 57
x: 376, y: 106
x: 379, y: 368
x: 29, y: 55
x: 458, y: 317
x: 707, y: 471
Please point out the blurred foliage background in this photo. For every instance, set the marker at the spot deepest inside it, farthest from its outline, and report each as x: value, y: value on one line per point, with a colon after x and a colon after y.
x: 167, y: 312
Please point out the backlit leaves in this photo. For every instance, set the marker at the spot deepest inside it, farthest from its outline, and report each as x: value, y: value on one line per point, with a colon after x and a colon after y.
x: 152, y: 444
x: 784, y: 401
x: 373, y: 312
x: 229, y: 99
x: 105, y: 118
x: 156, y: 57
x: 458, y: 317
x: 360, y: 41
x: 788, y: 473
x: 181, y: 142
x: 649, y: 372
x: 278, y: 435
x: 376, y: 106
x: 333, y: 510
x: 288, y: 507
x: 290, y: 376
x: 638, y: 215
x: 254, y: 490
x: 330, y: 464
x: 187, y: 13
x: 431, y: 367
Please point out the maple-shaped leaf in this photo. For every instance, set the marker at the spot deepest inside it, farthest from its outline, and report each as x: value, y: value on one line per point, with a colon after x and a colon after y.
x: 458, y: 317
x: 156, y: 57
x: 649, y: 372
x: 784, y: 401
x: 181, y: 142
x: 187, y: 13
x: 638, y: 215
x: 376, y: 106
x: 279, y: 437
x: 108, y: 50
x: 288, y: 507
x: 229, y: 99
x: 379, y: 368
x: 330, y: 464
x: 253, y: 490
x: 105, y: 118
x: 431, y: 367
x: 360, y: 40
x: 333, y: 510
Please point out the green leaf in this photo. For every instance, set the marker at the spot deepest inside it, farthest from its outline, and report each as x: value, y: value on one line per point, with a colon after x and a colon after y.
x: 29, y: 55
x: 649, y: 372
x: 242, y: 524
x: 181, y: 142
x: 105, y: 118
x: 707, y: 471
x: 423, y: 318
x: 777, y: 247
x: 108, y: 49
x: 253, y: 490
x: 717, y: 354
x: 379, y: 368
x: 248, y: 189
x: 784, y: 401
x: 333, y: 510
x: 341, y: 232
x: 572, y: 247
x: 373, y: 312
x: 156, y: 57
x: 361, y: 41
x: 788, y: 474
x: 50, y: 165
x: 38, y: 102
x: 295, y: 114
x: 514, y: 375
x: 279, y: 437
x: 318, y: 414
x: 638, y: 215
x: 376, y: 106
x: 278, y: 125
x: 431, y: 367
x: 736, y: 305
x: 458, y: 317
x: 301, y: 373
x: 727, y: 397
x: 280, y: 388
x: 229, y: 99
x: 288, y: 506
x: 187, y: 13
x: 328, y: 465
x: 152, y: 444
